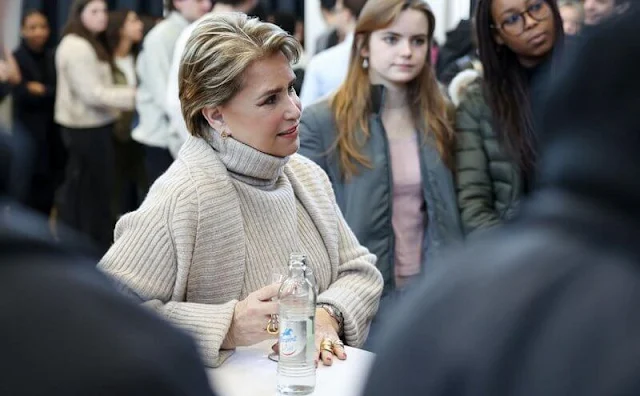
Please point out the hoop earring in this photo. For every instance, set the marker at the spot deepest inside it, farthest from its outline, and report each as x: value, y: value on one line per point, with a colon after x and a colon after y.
x: 365, y: 63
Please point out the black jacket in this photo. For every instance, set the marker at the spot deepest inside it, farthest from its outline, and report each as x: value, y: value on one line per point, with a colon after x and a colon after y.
x: 547, y: 305
x: 34, y: 113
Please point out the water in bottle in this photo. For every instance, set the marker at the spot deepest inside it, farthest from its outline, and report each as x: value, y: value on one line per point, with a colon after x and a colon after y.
x: 296, y: 363
x: 308, y: 271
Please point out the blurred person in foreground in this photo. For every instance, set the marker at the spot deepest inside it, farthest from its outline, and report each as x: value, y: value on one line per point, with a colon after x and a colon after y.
x: 238, y: 200
x: 597, y: 11
x: 548, y: 305
x: 88, y: 339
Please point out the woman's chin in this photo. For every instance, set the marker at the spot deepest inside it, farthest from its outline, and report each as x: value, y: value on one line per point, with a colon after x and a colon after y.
x: 285, y: 149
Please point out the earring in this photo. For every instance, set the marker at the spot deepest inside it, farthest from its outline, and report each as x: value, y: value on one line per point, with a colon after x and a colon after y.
x: 365, y: 63
x: 224, y: 134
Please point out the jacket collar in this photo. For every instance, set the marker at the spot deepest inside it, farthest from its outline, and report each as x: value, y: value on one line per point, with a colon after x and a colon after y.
x: 378, y: 93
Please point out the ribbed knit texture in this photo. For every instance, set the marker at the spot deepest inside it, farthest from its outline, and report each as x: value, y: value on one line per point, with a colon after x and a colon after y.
x: 271, y: 215
x: 219, y: 222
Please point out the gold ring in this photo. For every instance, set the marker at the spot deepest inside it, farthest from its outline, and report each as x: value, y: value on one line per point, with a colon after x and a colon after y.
x: 338, y: 343
x: 272, y: 325
x: 327, y: 350
x: 326, y: 345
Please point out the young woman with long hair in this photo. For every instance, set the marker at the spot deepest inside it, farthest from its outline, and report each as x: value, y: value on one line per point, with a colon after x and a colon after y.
x: 87, y: 104
x: 124, y: 35
x: 385, y: 141
x: 518, y: 42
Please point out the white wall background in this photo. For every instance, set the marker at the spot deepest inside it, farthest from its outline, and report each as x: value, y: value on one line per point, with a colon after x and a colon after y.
x: 448, y: 14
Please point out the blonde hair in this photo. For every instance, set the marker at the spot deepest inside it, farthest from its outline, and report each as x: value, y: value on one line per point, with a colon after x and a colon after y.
x: 218, y: 52
x: 351, y: 104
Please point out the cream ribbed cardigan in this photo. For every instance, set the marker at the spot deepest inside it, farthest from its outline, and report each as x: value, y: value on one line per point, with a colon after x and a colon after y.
x: 183, y: 252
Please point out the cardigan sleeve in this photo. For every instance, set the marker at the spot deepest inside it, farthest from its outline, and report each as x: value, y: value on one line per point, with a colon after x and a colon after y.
x: 358, y: 286
x: 152, y: 254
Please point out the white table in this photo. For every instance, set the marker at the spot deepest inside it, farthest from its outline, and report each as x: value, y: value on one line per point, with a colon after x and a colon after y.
x: 249, y: 372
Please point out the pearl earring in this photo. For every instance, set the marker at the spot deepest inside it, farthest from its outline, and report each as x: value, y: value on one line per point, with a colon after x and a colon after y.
x: 365, y: 63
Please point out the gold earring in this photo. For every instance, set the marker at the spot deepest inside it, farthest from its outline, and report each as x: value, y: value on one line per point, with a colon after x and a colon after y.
x: 224, y: 134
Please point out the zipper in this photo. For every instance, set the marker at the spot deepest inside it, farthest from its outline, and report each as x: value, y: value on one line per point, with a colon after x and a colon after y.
x: 390, y: 176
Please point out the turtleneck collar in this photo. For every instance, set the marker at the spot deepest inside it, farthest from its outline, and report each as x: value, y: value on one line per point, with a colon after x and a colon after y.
x: 247, y: 164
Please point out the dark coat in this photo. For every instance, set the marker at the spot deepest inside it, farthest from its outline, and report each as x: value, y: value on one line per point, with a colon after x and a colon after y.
x: 33, y: 116
x: 487, y: 179
x: 547, y: 305
x: 65, y: 329
x: 34, y: 113
x: 366, y: 199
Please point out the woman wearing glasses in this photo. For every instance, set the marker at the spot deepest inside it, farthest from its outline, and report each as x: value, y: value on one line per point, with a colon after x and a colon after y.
x: 496, y: 138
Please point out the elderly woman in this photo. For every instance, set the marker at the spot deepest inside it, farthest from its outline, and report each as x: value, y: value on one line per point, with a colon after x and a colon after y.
x: 224, y: 218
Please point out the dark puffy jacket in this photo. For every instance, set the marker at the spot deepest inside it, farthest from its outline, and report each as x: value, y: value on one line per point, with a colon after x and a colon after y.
x: 488, y: 181
x: 366, y: 199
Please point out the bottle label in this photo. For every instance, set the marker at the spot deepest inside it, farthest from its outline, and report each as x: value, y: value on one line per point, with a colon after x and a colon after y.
x: 292, y: 338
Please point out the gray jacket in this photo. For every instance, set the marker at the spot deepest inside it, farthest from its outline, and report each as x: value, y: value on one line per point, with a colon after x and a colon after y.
x: 366, y: 199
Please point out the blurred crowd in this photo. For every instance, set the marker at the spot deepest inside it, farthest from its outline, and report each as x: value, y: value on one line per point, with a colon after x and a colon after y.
x: 88, y: 184
x: 409, y: 149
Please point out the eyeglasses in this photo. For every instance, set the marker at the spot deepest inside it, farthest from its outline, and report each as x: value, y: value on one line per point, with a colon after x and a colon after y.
x: 514, y: 24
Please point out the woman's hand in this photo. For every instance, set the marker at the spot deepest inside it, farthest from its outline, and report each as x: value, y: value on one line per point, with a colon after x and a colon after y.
x: 5, y: 72
x: 328, y: 344
x: 9, y: 70
x: 250, y: 318
x: 36, y: 88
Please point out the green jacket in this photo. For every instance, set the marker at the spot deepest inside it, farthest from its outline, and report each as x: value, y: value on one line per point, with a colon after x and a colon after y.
x: 488, y: 182
x: 122, y: 127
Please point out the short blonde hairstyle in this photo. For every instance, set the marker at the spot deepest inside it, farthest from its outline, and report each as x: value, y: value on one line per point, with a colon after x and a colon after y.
x: 218, y: 52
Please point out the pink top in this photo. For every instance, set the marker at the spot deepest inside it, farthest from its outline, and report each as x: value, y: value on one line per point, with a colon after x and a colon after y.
x: 409, y: 218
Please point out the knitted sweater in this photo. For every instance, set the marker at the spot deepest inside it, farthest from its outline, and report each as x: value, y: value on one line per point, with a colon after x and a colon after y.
x: 219, y: 222
x: 86, y: 96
